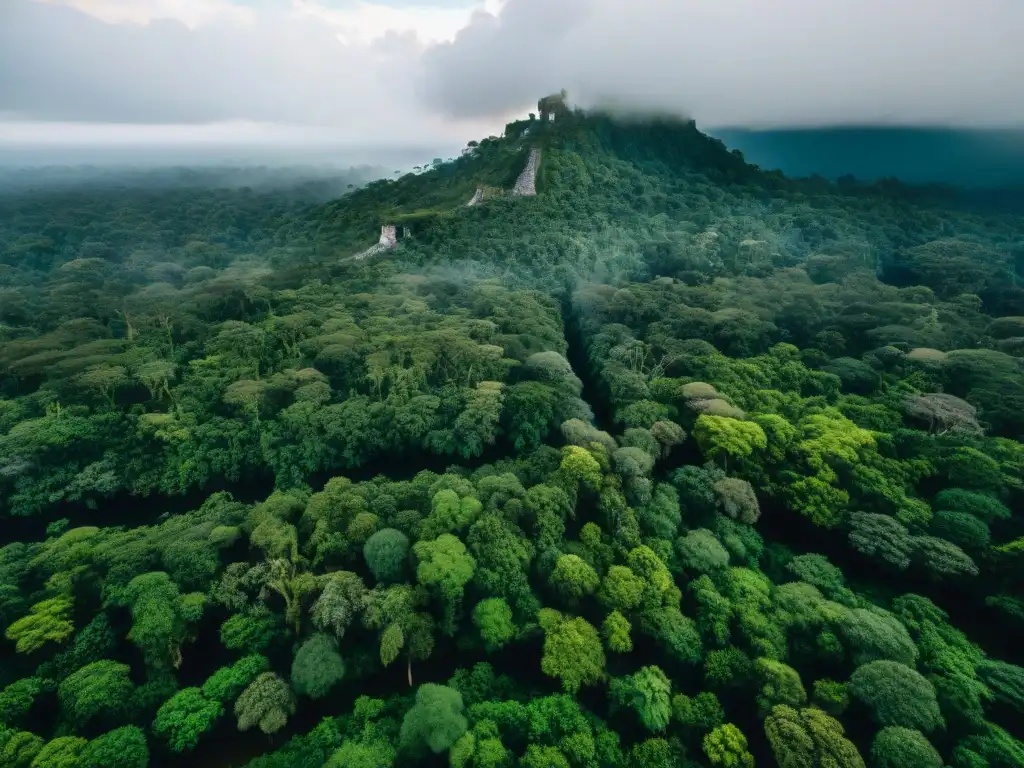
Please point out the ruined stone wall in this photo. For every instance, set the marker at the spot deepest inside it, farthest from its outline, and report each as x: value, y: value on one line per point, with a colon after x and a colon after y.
x: 388, y: 240
x: 388, y: 236
x: 526, y: 184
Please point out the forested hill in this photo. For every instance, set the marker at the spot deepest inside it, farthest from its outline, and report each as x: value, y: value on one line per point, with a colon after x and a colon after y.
x: 675, y: 463
x: 973, y: 158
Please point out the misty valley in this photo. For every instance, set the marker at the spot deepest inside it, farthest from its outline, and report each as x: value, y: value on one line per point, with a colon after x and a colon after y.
x: 594, y: 446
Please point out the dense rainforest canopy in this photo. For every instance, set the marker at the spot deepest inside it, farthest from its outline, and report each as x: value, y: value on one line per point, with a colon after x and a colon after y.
x: 676, y: 463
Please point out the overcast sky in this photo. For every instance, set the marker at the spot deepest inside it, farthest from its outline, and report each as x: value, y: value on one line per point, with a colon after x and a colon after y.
x: 441, y: 71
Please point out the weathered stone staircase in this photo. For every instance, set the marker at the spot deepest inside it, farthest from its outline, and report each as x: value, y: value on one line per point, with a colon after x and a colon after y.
x: 388, y: 240
x: 526, y: 184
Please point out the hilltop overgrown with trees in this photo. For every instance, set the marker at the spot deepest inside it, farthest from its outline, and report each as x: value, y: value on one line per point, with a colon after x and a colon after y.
x: 678, y: 463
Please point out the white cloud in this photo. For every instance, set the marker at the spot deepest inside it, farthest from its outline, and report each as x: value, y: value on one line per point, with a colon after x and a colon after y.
x: 191, y: 13
x: 430, y: 71
x: 746, y: 62
x: 361, y: 23
x: 357, y: 22
x: 276, y: 65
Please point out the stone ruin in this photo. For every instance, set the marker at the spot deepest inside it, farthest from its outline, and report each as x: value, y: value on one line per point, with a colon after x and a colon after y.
x: 388, y: 236
x: 526, y: 184
x: 552, y: 106
x: 388, y: 240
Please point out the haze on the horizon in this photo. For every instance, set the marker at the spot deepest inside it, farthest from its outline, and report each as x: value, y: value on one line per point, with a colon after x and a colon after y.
x: 333, y: 78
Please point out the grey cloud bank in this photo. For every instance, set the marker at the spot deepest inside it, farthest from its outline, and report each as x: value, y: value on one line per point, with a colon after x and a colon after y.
x: 724, y: 62
x: 58, y: 64
x: 745, y: 62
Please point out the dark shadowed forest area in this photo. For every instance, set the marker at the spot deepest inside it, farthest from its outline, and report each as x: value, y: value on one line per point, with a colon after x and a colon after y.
x: 677, y: 462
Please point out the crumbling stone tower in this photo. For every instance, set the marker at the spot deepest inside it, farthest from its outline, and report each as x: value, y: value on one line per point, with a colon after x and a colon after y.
x: 553, y: 106
x: 388, y: 236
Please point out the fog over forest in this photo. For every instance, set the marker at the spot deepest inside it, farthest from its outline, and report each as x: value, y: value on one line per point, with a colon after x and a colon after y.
x: 971, y: 158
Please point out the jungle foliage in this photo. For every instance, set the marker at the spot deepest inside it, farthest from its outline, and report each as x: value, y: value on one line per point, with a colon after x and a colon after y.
x: 678, y: 463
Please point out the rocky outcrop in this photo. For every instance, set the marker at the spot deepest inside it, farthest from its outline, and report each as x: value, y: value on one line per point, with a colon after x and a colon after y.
x: 526, y: 184
x: 477, y: 198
